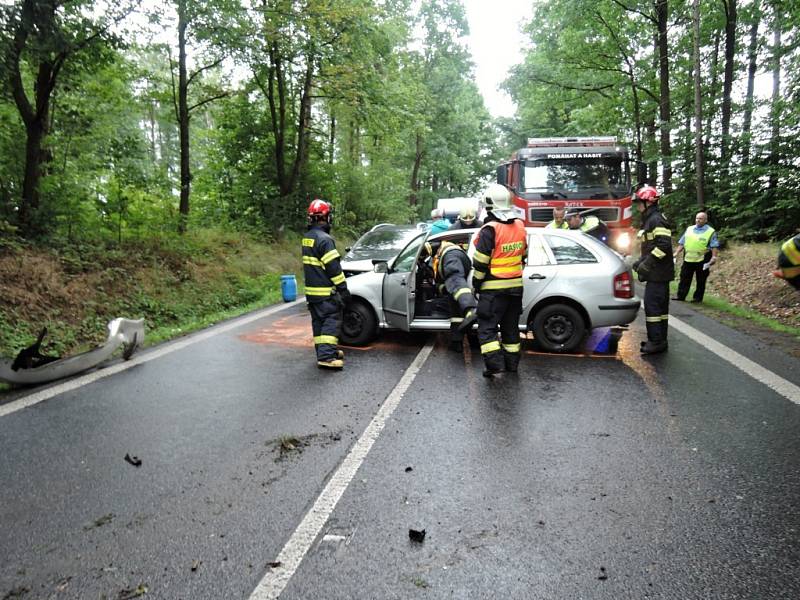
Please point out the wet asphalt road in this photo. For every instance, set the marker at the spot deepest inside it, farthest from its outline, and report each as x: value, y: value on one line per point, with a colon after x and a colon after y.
x: 602, y: 475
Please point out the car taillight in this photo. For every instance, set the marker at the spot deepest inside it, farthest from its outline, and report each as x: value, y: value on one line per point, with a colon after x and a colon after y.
x: 623, y: 285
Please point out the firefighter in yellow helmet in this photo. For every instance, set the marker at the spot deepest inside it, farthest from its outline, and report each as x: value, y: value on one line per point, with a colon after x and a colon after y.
x: 500, y: 248
x: 326, y: 288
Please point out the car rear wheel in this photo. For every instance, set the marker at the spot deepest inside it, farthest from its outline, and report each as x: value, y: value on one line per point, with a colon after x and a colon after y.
x: 558, y: 328
x: 358, y: 324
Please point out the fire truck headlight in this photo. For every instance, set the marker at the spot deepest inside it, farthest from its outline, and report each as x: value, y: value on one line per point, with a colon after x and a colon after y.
x: 624, y: 241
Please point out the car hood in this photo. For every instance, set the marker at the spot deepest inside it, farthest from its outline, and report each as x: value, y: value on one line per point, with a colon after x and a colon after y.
x: 359, y: 266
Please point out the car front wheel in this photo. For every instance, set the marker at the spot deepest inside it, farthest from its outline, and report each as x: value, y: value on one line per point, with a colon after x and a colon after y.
x: 358, y: 324
x: 558, y: 328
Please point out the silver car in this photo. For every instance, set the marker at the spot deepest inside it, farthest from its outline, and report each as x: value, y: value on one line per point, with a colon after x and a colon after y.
x: 572, y: 284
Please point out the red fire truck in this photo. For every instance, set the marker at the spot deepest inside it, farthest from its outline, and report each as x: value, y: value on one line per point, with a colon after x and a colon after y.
x: 589, y: 173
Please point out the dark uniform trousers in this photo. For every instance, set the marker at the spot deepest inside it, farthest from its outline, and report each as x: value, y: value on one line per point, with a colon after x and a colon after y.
x: 455, y: 284
x: 326, y: 323
x: 688, y: 271
x: 504, y: 309
x: 656, y: 310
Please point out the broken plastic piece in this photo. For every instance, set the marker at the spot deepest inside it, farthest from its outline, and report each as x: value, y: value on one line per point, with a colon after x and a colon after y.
x: 30, y: 357
x: 30, y: 367
x: 416, y: 535
x: 134, y: 460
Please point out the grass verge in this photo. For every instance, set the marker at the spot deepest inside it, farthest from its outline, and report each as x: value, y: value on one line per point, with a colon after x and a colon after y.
x: 176, y: 284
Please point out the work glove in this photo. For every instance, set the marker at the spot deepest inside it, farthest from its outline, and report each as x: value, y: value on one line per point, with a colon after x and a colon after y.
x: 344, y: 296
x: 643, y: 269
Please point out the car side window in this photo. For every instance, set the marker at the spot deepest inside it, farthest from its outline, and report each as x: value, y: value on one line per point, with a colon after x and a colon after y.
x: 405, y: 260
x: 537, y: 255
x: 568, y: 251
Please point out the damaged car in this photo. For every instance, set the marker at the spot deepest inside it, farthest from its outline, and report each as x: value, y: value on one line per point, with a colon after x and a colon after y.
x: 572, y: 284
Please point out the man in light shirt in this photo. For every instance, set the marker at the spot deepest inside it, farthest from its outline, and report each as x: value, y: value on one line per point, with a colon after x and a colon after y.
x: 558, y: 221
x: 700, y: 246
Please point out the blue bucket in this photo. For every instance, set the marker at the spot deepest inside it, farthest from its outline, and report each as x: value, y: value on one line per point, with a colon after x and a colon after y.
x: 288, y: 288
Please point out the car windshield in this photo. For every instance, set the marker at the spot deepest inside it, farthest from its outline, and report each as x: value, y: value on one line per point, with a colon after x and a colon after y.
x: 382, y: 244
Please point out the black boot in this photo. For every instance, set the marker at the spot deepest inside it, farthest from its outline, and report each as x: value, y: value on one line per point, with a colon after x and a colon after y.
x: 654, y: 347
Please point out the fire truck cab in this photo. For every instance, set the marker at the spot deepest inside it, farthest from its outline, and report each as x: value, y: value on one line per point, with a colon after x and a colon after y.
x: 592, y: 174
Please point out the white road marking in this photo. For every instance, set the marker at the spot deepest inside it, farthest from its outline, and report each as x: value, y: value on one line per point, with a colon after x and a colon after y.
x: 73, y: 384
x: 785, y: 388
x: 276, y: 579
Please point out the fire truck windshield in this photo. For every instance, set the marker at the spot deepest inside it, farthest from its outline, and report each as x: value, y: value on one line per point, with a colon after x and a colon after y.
x: 570, y: 177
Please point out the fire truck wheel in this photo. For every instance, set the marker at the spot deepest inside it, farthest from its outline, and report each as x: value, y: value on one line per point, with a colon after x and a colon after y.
x: 359, y: 324
x: 558, y: 328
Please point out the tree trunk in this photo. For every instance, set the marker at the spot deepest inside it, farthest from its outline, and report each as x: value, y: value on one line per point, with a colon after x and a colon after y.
x: 712, y: 92
x: 183, y: 119
x: 727, y: 82
x: 303, y: 125
x: 752, y: 65
x: 652, y: 167
x: 30, y: 183
x: 662, y: 12
x: 277, y: 108
x: 698, y: 110
x: 36, y: 117
x: 412, y: 199
x: 332, y: 140
x: 776, y: 102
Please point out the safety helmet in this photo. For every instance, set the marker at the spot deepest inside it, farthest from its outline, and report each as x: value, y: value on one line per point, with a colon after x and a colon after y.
x: 320, y: 210
x: 647, y: 194
x: 497, y: 197
x: 467, y: 214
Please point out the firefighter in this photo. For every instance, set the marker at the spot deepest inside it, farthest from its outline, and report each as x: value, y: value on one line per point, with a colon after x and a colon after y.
x: 499, y: 250
x: 326, y: 288
x: 700, y: 248
x: 590, y: 225
x: 467, y: 219
x: 451, y: 267
x: 558, y: 221
x: 655, y: 267
x: 789, y: 262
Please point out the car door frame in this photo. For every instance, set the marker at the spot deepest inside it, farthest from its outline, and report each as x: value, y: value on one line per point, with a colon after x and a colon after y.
x: 398, y: 290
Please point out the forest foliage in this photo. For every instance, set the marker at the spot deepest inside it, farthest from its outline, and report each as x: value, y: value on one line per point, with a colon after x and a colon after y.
x: 134, y: 119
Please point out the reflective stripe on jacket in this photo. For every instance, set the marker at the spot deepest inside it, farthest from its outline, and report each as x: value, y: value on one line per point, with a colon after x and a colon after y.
x: 589, y: 223
x: 552, y: 225
x: 657, y: 245
x: 500, y: 248
x: 695, y: 244
x: 321, y: 269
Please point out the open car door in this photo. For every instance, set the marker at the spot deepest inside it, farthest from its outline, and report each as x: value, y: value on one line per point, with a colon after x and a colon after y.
x: 399, y: 286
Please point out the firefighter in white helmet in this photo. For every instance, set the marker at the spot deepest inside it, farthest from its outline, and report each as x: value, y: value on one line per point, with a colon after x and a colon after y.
x: 467, y: 219
x: 500, y: 248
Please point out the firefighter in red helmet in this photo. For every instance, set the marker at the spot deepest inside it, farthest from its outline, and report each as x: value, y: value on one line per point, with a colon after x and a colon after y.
x: 655, y: 267
x: 326, y: 288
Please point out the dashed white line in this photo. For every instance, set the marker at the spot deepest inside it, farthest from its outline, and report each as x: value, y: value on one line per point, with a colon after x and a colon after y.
x: 292, y: 554
x: 785, y: 388
x: 73, y: 384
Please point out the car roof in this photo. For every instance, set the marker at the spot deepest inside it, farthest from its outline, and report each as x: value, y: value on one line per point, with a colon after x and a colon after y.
x: 594, y: 243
